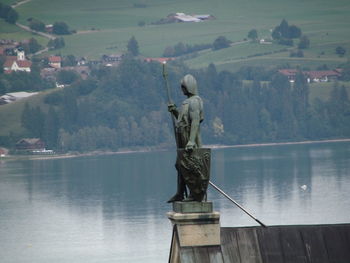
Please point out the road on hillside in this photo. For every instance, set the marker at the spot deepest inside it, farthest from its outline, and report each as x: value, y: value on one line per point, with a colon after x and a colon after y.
x: 20, y: 3
x: 27, y: 28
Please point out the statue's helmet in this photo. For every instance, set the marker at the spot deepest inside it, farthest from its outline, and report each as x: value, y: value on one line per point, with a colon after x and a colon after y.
x: 190, y: 84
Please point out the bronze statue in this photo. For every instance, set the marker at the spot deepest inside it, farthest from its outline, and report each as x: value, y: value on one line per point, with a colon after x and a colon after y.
x: 193, y: 162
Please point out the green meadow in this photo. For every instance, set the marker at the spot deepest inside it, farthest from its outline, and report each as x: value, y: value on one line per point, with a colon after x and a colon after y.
x: 105, y: 26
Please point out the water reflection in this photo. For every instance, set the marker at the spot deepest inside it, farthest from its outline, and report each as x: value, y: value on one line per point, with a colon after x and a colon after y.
x: 112, y: 208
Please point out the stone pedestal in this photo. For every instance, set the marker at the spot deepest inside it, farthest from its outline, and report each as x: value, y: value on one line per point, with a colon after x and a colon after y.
x: 195, y: 224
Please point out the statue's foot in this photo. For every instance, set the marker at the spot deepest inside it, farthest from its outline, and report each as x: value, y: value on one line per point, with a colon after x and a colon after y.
x: 176, y: 198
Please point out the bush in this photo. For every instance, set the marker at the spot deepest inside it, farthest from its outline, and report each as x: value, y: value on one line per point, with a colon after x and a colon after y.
x: 340, y: 51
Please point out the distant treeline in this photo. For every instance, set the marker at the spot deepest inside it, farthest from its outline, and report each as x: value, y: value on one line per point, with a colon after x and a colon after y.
x: 125, y: 107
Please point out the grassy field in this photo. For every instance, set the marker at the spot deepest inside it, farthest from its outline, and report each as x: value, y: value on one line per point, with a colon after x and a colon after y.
x: 105, y: 27
x: 114, y: 22
x: 322, y: 90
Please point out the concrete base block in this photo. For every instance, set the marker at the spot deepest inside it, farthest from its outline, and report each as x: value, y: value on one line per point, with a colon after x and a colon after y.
x: 193, y: 207
x: 196, y: 229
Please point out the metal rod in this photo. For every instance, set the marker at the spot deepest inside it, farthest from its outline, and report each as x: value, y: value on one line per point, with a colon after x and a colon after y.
x: 237, y: 204
x: 165, y: 76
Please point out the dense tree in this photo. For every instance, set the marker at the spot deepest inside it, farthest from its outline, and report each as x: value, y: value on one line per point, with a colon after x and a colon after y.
x: 12, y: 16
x: 284, y: 28
x: 2, y: 88
x: 33, y: 119
x: 8, y: 13
x: 133, y: 46
x: 2, y: 61
x: 24, y: 81
x: 304, y: 42
x: 32, y: 46
x: 56, y: 43
x: 284, y: 31
x: 67, y: 76
x: 37, y: 25
x: 221, y: 42
x: 294, y: 31
x: 69, y: 61
x: 51, y: 128
x: 253, y: 34
x: 126, y: 107
x: 60, y: 28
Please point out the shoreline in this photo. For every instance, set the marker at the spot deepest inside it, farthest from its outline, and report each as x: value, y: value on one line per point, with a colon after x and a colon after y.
x: 218, y: 146
x: 150, y: 149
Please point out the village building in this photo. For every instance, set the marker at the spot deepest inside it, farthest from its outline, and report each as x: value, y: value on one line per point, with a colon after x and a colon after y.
x: 55, y: 61
x: 82, y: 61
x: 49, y: 28
x: 182, y: 17
x: 112, y: 60
x: 3, y: 152
x: 30, y: 144
x: 17, y: 63
x: 312, y: 76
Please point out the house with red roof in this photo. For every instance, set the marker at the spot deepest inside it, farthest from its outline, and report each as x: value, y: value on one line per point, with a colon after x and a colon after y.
x: 17, y: 63
x: 55, y: 61
x: 322, y: 75
x: 312, y: 76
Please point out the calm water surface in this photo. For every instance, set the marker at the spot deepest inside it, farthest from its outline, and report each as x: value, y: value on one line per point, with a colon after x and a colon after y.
x: 112, y: 208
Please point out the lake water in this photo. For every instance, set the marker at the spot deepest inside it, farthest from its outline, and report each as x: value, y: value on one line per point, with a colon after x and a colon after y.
x: 113, y: 209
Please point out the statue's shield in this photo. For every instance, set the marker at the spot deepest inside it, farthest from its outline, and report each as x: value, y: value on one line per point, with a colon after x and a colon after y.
x: 194, y: 166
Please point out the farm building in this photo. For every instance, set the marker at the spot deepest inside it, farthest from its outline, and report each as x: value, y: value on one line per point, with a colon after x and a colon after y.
x: 14, y: 96
x: 55, y: 61
x: 312, y: 76
x: 30, y: 144
x: 322, y: 76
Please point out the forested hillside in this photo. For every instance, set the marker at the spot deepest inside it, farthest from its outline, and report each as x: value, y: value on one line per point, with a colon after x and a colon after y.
x: 125, y: 107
